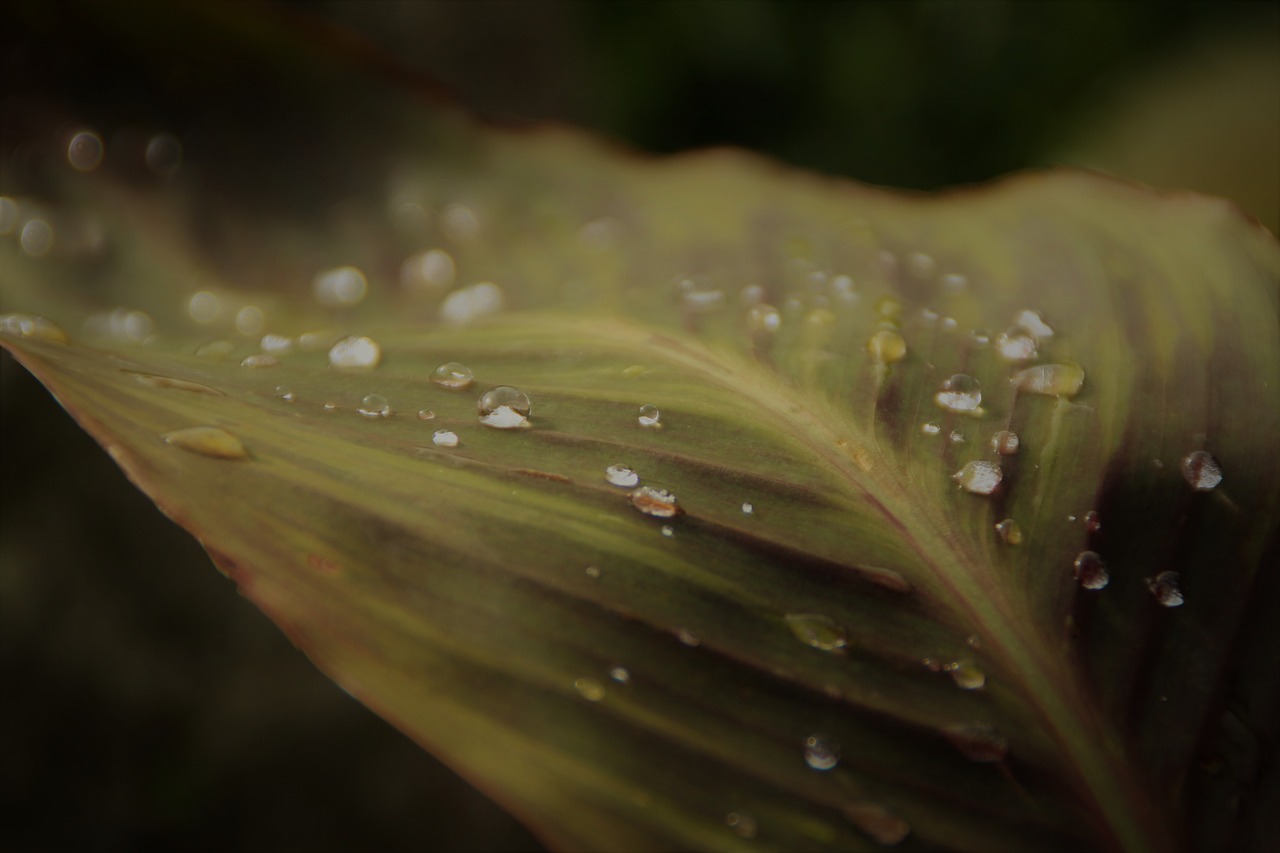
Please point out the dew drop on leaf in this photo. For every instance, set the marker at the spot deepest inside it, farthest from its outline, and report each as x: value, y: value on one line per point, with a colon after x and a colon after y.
x: 817, y: 631
x: 283, y: 393
x: 276, y: 343
x: 1033, y: 323
x: 1092, y: 523
x: 426, y: 415
x: 85, y: 151
x: 1005, y: 442
x: 887, y: 346
x: 207, y: 441
x: 427, y: 270
x: 930, y: 428
x: 956, y: 436
x: 355, y: 353
x: 250, y: 320
x: 504, y: 407
x: 471, y: 303
x: 658, y: 503
x: 878, y: 823
x: 1016, y: 345
x: 1053, y: 380
x: 33, y: 327
x: 650, y: 416
x: 742, y: 824
x: 668, y: 531
x: 445, y: 438
x: 748, y: 508
x: 688, y: 637
x: 1201, y: 471
x: 620, y: 674
x: 204, y: 307
x: 820, y: 752
x: 374, y: 406
x: 979, y: 477
x: 960, y: 393
x: 1009, y: 531
x: 340, y: 287
x: 763, y: 318
x: 621, y: 475
x: 453, y: 376
x: 1166, y: 589
x: 260, y: 360
x: 966, y: 675
x: 1090, y: 571
x: 591, y: 690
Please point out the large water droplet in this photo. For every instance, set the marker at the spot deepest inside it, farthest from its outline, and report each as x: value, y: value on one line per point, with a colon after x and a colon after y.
x: 471, y: 303
x: 207, y: 441
x: 591, y: 690
x: 32, y: 326
x: 453, y: 376
x: 878, y: 823
x: 1090, y: 571
x: 978, y: 742
x: 621, y: 475
x: 1009, y: 531
x: 85, y: 151
x: 650, y: 416
x: 276, y: 344
x: 966, y: 674
x: 658, y: 503
x: 1005, y: 442
x: 960, y: 393
x: 1054, y: 380
x: 1201, y: 471
x: 340, y: 287
x: 820, y: 752
x: 374, y: 406
x: 1033, y: 323
x: 1016, y: 345
x: 742, y: 824
x: 504, y: 407
x: 355, y: 353
x: 1166, y: 589
x: 818, y: 631
x: 887, y: 346
x: 445, y: 438
x: 979, y: 477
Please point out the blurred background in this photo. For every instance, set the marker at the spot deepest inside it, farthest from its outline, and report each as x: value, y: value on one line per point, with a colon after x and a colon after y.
x: 145, y: 706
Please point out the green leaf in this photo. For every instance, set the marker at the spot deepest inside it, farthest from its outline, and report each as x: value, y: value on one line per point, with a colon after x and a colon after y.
x: 827, y: 643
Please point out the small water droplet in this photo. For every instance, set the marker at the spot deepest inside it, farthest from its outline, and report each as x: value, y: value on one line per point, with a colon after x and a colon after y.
x: 650, y: 416
x: 1201, y: 471
x: 620, y: 674
x: 687, y: 637
x: 204, y: 307
x: 889, y: 308
x: 1016, y: 345
x: 85, y: 151
x: 1092, y: 523
x: 593, y: 572
x: 1166, y: 589
x: 427, y: 270
x: 33, y: 327
x: 260, y: 360
x: 445, y: 438
x: 276, y: 343
x: 621, y: 475
x: 979, y: 477
x: 215, y: 349
x: 207, y: 441
x: 1033, y: 323
x: 763, y: 318
x: 818, y: 631
x: 426, y: 415
x: 284, y: 393
x: 742, y: 824
x: 330, y: 406
x: 1053, y: 380
x: 956, y: 436
x: 658, y: 503
x: 591, y: 690
x: 698, y: 297
x: 978, y: 742
x: 249, y: 321
x: 930, y: 428
x: 921, y: 265
x: 355, y: 353
x: 471, y: 303
x: 340, y: 287
x: 966, y: 675
x: 748, y: 508
x: 980, y: 338
x: 121, y: 323
x: 887, y: 346
x: 820, y: 752
x: 1090, y: 571
x: 878, y: 823
x: 36, y: 238
x: 960, y: 393
x: 1010, y: 532
x: 504, y: 407
x: 1005, y: 442
x: 374, y: 406
x: 954, y: 282
x: 453, y: 376
x: 668, y: 531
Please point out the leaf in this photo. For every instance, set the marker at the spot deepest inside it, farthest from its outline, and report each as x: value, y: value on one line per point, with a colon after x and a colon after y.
x: 826, y: 643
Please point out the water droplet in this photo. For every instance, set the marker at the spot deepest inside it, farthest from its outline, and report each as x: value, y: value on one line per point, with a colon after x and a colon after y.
x: 930, y: 428
x: 687, y: 637
x: 250, y: 320
x: 954, y: 282
x: 593, y: 572
x: 748, y: 509
x: 426, y: 415
x: 921, y: 265
x: 650, y: 416
x: 887, y: 346
x: 330, y: 406
x: 164, y: 154
x: 978, y: 742
x: 284, y: 393
x: 1090, y: 571
x: 1054, y: 380
x: 1015, y: 345
x: 207, y: 441
x: 204, y: 307
x: 1092, y: 523
x: 445, y: 438
x: 427, y: 270
x: 460, y: 222
x: 889, y: 309
x: 844, y: 289
x: 668, y: 531
x: 763, y: 318
x: 979, y: 477
x: 1033, y: 323
x: 276, y: 343
x: 878, y: 823
x: 1010, y: 532
x: 956, y: 436
x: 215, y: 349
x: 471, y: 303
x: 85, y: 151
x: 1201, y: 471
x: 340, y: 287
x: 33, y: 327
x: 374, y: 406
x: 121, y: 323
x: 453, y: 376
x: 591, y: 690
x: 504, y: 407
x: 620, y: 674
x: 980, y: 338
x: 621, y: 475
x: 966, y: 675
x: 742, y: 824
x: 1005, y: 442
x: 1166, y: 589
x: 355, y: 352
x: 698, y: 297
x: 818, y: 631
x: 260, y: 360
x: 658, y: 503
x: 820, y: 752
x: 36, y: 238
